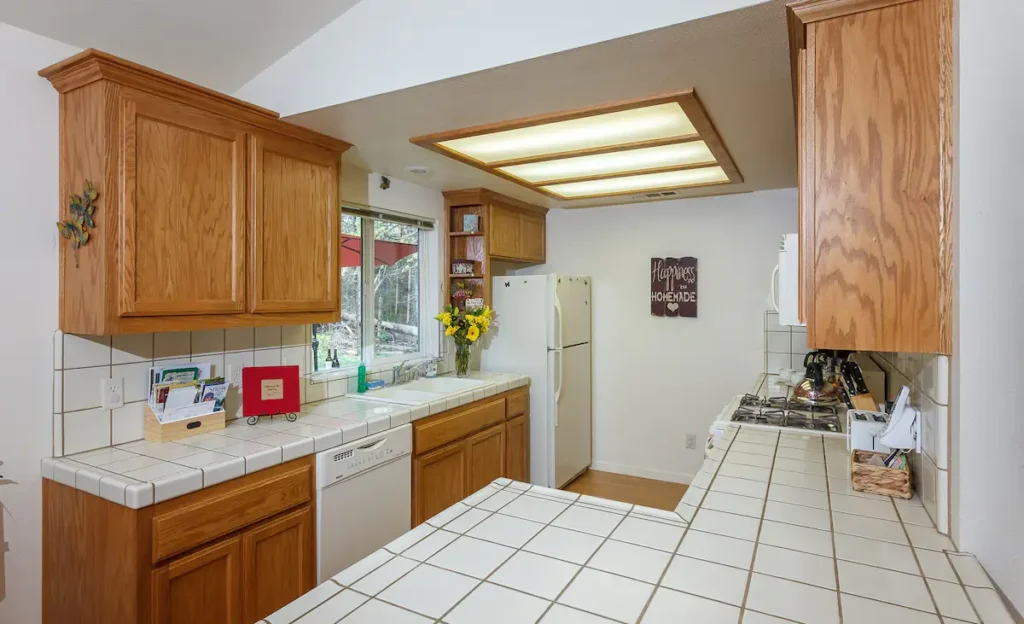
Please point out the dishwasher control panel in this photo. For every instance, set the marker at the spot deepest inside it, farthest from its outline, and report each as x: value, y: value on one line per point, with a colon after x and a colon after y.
x: 348, y: 460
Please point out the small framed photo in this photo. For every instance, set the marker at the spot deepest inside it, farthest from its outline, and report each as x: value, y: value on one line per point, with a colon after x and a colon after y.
x: 470, y: 223
x: 463, y: 267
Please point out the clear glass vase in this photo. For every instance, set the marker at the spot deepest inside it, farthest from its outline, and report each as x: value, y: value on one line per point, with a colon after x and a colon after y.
x: 462, y: 359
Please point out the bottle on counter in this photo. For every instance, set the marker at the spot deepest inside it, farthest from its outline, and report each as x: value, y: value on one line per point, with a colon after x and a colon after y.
x: 361, y: 387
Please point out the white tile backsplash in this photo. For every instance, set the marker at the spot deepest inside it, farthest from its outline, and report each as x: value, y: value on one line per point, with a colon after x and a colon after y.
x: 86, y: 430
x: 172, y: 345
x: 84, y: 351
x: 928, y: 377
x: 132, y: 348
x: 81, y: 362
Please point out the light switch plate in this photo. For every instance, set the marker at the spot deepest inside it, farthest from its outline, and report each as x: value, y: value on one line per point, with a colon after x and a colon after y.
x: 112, y: 393
x: 691, y: 440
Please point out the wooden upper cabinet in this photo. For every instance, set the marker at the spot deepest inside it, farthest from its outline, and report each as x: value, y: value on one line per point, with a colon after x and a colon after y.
x: 505, y: 237
x: 516, y: 234
x: 211, y: 212
x: 874, y: 88
x: 295, y: 226
x: 202, y: 588
x: 533, y: 246
x: 278, y: 563
x: 183, y: 217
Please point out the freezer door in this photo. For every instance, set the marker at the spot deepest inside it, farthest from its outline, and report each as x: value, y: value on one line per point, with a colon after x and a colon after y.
x: 572, y: 311
x: 571, y: 414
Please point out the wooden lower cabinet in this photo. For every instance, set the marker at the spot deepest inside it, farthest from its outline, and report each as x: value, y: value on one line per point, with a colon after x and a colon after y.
x: 485, y: 457
x: 278, y: 559
x: 201, y: 588
x: 233, y: 553
x: 467, y: 448
x: 439, y: 479
x: 517, y: 448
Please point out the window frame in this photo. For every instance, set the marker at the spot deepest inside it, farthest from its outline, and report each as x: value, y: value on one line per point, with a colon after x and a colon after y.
x: 429, y: 284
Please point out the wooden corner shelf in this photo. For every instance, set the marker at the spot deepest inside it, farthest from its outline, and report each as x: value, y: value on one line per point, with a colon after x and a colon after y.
x: 509, y: 230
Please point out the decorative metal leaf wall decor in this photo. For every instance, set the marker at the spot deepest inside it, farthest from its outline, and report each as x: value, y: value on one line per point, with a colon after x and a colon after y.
x: 83, y: 208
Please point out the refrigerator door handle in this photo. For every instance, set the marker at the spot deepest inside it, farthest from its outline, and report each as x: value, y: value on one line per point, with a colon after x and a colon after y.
x: 558, y: 388
x: 557, y: 336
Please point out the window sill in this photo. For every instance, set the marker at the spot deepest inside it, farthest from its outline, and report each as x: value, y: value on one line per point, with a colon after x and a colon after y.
x: 373, y: 369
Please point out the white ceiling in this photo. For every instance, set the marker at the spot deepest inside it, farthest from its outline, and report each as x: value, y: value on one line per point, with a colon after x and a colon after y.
x: 219, y: 44
x: 737, y: 62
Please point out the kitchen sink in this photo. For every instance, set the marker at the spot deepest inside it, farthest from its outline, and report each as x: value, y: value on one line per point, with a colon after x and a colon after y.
x: 443, y: 385
x: 422, y: 390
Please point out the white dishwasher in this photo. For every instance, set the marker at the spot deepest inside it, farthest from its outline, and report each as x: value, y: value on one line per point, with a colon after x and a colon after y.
x: 363, y: 498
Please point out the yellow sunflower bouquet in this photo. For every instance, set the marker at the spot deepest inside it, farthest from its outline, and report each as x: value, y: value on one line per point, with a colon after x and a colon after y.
x: 465, y: 327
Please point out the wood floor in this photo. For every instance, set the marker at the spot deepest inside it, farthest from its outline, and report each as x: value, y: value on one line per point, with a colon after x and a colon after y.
x: 634, y: 490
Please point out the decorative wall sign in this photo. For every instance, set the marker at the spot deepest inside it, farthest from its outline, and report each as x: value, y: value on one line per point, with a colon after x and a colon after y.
x: 82, y: 208
x: 674, y: 287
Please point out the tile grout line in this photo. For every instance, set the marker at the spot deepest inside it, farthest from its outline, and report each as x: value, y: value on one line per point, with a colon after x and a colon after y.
x: 832, y: 531
x: 520, y: 549
x: 917, y: 560
x: 760, y: 525
x: 956, y: 574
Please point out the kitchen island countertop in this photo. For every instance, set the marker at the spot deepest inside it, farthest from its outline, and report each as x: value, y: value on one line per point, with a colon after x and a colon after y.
x: 769, y: 532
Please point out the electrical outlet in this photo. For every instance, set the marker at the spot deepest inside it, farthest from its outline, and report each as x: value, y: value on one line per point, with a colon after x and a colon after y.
x: 235, y: 376
x: 691, y: 440
x: 112, y: 393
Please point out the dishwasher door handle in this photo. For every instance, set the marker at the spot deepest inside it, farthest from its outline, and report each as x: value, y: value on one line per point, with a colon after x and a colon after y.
x: 374, y: 446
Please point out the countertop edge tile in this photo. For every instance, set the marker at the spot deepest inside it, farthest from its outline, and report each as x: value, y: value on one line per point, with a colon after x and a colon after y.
x: 135, y: 494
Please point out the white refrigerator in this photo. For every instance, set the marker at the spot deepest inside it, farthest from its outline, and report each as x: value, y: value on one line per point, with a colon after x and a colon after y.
x: 542, y: 329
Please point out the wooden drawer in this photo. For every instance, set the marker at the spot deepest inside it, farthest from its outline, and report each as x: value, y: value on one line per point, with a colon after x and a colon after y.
x: 448, y: 427
x: 515, y: 404
x: 184, y: 523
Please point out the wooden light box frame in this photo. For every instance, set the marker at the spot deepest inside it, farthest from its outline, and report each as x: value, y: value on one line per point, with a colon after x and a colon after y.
x: 687, y: 101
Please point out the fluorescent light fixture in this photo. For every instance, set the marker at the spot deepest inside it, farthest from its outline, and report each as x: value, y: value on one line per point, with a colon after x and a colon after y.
x: 665, y: 156
x: 657, y: 142
x: 650, y: 123
x: 637, y: 183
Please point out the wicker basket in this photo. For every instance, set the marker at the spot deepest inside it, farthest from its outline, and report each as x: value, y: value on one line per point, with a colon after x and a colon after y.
x: 878, y: 479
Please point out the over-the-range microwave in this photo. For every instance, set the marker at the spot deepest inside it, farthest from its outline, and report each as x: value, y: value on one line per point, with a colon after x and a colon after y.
x: 786, y: 282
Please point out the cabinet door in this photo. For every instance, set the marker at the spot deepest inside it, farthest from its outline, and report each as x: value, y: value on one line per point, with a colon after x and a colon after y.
x: 438, y: 480
x: 202, y: 588
x: 517, y: 445
x: 485, y: 457
x: 278, y: 563
x: 295, y: 223
x: 182, y: 249
x: 531, y: 233
x: 879, y: 272
x: 503, y: 233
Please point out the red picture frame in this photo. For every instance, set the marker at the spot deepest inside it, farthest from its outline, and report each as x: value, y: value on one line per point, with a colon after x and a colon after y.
x: 270, y: 390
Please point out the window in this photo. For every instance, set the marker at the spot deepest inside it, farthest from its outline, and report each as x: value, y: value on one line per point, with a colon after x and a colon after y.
x: 382, y: 279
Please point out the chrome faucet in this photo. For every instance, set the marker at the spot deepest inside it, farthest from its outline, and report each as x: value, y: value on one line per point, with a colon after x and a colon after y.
x: 403, y: 373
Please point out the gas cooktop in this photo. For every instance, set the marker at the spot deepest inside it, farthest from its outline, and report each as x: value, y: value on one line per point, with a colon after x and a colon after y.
x: 785, y: 412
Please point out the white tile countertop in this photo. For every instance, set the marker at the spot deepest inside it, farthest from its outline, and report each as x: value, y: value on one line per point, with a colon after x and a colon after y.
x: 751, y: 540
x: 141, y: 473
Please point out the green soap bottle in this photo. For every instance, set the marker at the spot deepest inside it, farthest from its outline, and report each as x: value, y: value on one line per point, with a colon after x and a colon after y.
x: 361, y: 387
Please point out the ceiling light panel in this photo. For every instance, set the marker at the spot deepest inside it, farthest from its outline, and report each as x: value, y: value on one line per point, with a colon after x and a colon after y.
x: 645, y: 182
x: 665, y: 156
x: 661, y: 121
